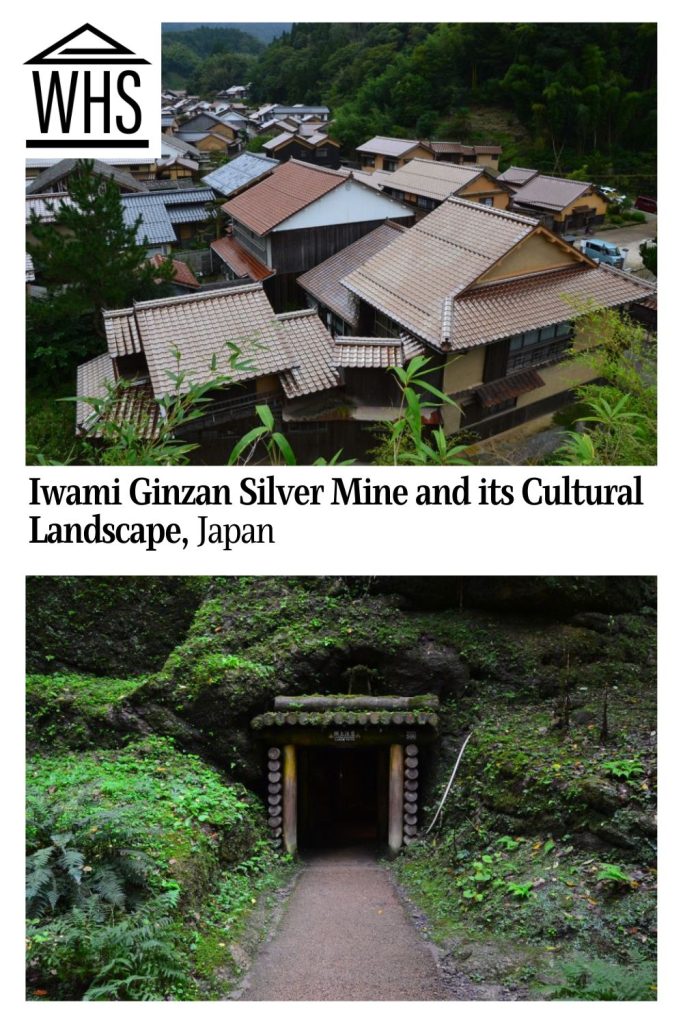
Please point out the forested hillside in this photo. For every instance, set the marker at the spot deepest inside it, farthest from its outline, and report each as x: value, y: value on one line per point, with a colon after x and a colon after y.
x: 208, y: 58
x: 559, y: 97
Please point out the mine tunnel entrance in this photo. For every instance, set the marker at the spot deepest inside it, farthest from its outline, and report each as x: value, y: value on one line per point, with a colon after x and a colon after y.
x: 344, y: 769
x: 342, y: 796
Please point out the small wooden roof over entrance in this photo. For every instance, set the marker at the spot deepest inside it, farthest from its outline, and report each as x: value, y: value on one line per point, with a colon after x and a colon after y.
x: 376, y: 717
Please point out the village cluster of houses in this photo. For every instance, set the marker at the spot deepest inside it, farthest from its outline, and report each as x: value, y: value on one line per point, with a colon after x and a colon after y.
x: 327, y: 276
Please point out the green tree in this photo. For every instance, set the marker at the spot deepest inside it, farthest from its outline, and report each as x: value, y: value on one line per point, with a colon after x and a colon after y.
x: 648, y: 251
x: 89, y: 259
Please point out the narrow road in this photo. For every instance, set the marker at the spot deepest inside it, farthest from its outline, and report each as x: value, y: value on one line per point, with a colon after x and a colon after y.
x: 344, y: 935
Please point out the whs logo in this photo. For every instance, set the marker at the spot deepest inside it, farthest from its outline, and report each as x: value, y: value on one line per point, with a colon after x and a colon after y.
x: 91, y: 93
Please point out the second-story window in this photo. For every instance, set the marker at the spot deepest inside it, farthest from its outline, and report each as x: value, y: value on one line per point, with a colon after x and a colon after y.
x: 539, y: 347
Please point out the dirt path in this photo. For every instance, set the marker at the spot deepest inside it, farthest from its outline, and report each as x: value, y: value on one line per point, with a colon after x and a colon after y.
x: 344, y: 935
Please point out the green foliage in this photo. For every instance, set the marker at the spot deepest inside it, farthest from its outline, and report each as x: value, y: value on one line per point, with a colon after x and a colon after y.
x: 625, y: 768
x: 614, y: 874
x: 96, y: 633
x: 599, y: 980
x: 622, y: 412
x: 648, y: 251
x: 87, y: 955
x: 585, y: 95
x: 89, y: 260
x: 123, y: 848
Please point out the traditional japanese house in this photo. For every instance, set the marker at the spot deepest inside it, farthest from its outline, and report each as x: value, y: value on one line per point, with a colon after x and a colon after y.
x: 459, y: 153
x: 209, y: 133
x: 230, y: 179
x: 334, y: 303
x: 425, y: 184
x: 345, y: 769
x: 314, y: 148
x: 56, y: 177
x: 387, y: 154
x: 492, y: 295
x: 264, y: 357
x: 561, y: 204
x: 298, y: 216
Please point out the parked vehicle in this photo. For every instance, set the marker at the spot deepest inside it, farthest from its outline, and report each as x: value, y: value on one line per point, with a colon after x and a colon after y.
x: 611, y: 194
x: 646, y: 203
x: 602, y: 252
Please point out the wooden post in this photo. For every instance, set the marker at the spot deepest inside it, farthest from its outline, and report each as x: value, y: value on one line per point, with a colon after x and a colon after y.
x: 395, y: 797
x: 289, y: 799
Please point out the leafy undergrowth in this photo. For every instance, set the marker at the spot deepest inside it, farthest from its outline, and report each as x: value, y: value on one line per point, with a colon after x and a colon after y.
x: 143, y: 867
x: 68, y: 709
x: 543, y: 871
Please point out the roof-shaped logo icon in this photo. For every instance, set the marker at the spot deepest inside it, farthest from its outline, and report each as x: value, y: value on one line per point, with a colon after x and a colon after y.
x: 87, y: 45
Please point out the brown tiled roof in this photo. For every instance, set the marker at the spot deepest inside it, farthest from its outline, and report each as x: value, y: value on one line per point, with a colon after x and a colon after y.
x: 517, y: 175
x: 434, y: 178
x: 389, y: 146
x: 546, y: 193
x: 425, y: 279
x: 296, y: 346
x: 509, y: 387
x: 199, y: 328
x: 464, y: 150
x: 414, y: 279
x: 291, y: 187
x: 324, y: 281
x: 136, y: 403
x: 374, y: 179
x: 500, y: 310
x: 182, y: 274
x: 311, y: 347
x: 240, y: 260
x: 374, y: 353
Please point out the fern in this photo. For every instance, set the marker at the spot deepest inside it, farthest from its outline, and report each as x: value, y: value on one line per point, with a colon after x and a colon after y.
x: 602, y: 980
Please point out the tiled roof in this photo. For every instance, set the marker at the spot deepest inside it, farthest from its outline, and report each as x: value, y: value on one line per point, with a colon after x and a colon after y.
x: 414, y: 278
x: 30, y: 272
x: 290, y: 188
x: 181, y: 145
x: 182, y: 274
x: 277, y: 140
x: 311, y: 347
x: 45, y: 207
x: 296, y: 346
x: 509, y: 387
x: 496, y: 311
x: 424, y: 280
x: 240, y: 260
x: 51, y: 175
x: 547, y: 193
x: 324, y: 281
x: 433, y: 178
x: 375, y: 179
x: 390, y: 146
x: 464, y: 150
x: 374, y: 353
x: 517, y: 175
x: 240, y: 172
x: 200, y: 327
x: 161, y: 210
x: 136, y: 403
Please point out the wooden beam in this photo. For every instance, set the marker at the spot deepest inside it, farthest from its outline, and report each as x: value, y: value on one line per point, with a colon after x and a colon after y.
x: 289, y: 799
x: 318, y: 702
x: 395, y: 797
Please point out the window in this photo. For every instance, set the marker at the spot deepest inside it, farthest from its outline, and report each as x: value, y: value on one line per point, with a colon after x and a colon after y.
x: 385, y: 327
x: 389, y: 165
x: 486, y: 201
x: 539, y: 347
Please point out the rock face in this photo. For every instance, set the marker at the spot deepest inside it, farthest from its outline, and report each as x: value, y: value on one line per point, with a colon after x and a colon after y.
x: 107, y: 625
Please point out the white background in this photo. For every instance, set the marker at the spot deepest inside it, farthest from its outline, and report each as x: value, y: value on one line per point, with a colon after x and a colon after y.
x: 513, y: 540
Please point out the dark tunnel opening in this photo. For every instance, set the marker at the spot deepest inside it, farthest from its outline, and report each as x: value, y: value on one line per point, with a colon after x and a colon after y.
x: 342, y: 796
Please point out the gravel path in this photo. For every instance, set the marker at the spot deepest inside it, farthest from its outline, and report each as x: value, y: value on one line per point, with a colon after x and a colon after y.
x: 345, y: 935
